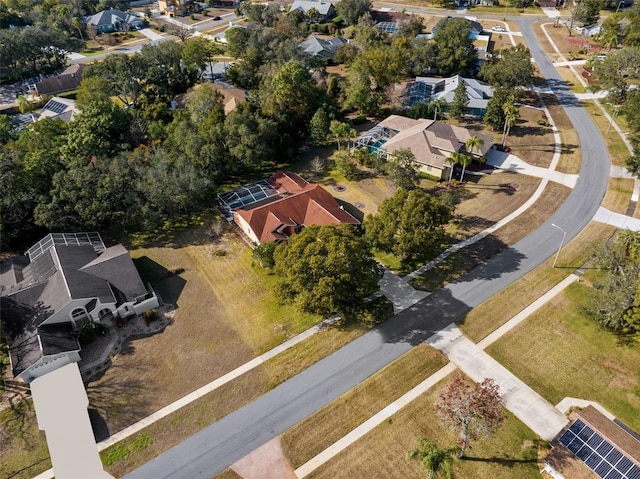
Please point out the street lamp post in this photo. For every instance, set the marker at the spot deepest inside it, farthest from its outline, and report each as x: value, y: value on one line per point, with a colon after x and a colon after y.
x: 621, y: 2
x: 564, y: 235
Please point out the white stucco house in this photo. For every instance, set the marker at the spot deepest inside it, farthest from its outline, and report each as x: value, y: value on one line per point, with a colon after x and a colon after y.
x: 61, y: 283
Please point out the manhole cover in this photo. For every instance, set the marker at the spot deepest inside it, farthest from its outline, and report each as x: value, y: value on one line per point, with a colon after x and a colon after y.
x: 360, y: 206
x: 339, y: 188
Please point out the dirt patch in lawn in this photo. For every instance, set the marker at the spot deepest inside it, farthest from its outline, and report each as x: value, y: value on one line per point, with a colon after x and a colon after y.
x: 458, y: 264
x: 487, y: 199
x: 226, y: 315
x: 530, y: 141
x: 569, y: 46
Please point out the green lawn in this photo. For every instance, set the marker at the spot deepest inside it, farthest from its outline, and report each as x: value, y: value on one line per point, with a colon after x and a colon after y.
x: 559, y: 352
x: 511, y: 453
x: 500, y: 308
x: 24, y: 450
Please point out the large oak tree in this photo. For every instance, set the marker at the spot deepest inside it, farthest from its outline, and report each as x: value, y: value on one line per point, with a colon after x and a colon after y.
x: 326, y: 270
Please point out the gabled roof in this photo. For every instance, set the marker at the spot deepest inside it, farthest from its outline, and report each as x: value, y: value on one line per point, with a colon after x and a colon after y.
x: 231, y: 96
x: 68, y: 80
x: 325, y: 8
x: 430, y: 141
x: 56, y: 270
x: 115, y: 266
x: 112, y: 16
x: 320, y: 47
x: 478, y: 92
x: 299, y: 204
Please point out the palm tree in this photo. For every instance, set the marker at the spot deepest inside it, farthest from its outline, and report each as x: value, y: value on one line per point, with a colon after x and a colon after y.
x: 453, y: 160
x: 438, y: 105
x: 473, y: 143
x: 465, y: 160
x: 511, y: 115
x: 438, y: 463
x: 340, y: 131
x: 24, y: 105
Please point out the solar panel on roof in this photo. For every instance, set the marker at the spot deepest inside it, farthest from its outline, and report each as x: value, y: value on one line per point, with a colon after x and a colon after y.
x: 597, y: 453
x: 55, y: 106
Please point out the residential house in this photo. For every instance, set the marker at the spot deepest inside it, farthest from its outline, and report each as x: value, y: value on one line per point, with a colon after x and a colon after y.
x: 431, y: 142
x: 321, y: 48
x: 176, y: 7
x: 61, y: 283
x: 114, y: 20
x: 427, y: 89
x: 68, y: 80
x: 216, y: 70
x: 389, y: 21
x: 325, y: 9
x: 277, y: 208
x: 231, y: 95
x: 58, y: 107
x: 595, y: 445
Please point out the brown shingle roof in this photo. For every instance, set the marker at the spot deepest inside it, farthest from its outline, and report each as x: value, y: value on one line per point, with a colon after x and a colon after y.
x: 68, y: 80
x: 611, y: 431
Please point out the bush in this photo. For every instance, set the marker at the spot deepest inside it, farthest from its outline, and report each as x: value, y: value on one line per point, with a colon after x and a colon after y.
x: 359, y: 120
x: 150, y: 315
x: 89, y: 332
x: 543, y: 122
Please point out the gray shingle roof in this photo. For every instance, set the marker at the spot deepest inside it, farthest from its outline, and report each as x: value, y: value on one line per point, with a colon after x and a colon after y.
x: 315, y: 46
x: 325, y: 8
x: 116, y: 266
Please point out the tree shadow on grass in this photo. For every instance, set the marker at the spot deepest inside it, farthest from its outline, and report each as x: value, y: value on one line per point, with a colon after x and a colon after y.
x: 503, y: 461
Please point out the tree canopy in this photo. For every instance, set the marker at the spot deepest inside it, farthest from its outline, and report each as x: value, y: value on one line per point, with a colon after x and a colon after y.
x: 352, y: 10
x: 410, y: 225
x: 510, y: 67
x: 474, y: 412
x: 326, y: 270
x: 456, y: 54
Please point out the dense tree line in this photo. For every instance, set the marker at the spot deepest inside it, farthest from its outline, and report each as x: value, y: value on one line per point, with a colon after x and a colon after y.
x: 129, y: 158
x: 34, y: 34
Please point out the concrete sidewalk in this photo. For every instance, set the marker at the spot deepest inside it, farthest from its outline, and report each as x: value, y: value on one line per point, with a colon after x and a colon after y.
x: 150, y: 34
x: 508, y: 162
x: 618, y: 220
x: 526, y: 404
x: 547, y: 425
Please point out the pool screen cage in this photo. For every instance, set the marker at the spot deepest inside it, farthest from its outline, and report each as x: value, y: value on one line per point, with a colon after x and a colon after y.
x: 246, y: 195
x: 375, y: 138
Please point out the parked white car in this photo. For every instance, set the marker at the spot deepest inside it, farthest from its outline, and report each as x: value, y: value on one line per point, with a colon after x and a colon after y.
x: 498, y: 28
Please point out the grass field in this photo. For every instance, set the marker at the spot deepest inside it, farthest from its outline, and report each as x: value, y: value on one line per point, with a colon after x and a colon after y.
x: 311, y: 436
x: 23, y: 447
x: 463, y: 261
x: 568, y: 355
x: 618, y: 195
x: 618, y: 151
x: 226, y: 315
x: 511, y: 453
x: 239, y: 392
x: 496, y: 311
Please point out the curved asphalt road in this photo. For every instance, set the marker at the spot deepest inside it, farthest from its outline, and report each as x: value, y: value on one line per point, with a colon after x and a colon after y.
x: 213, y: 449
